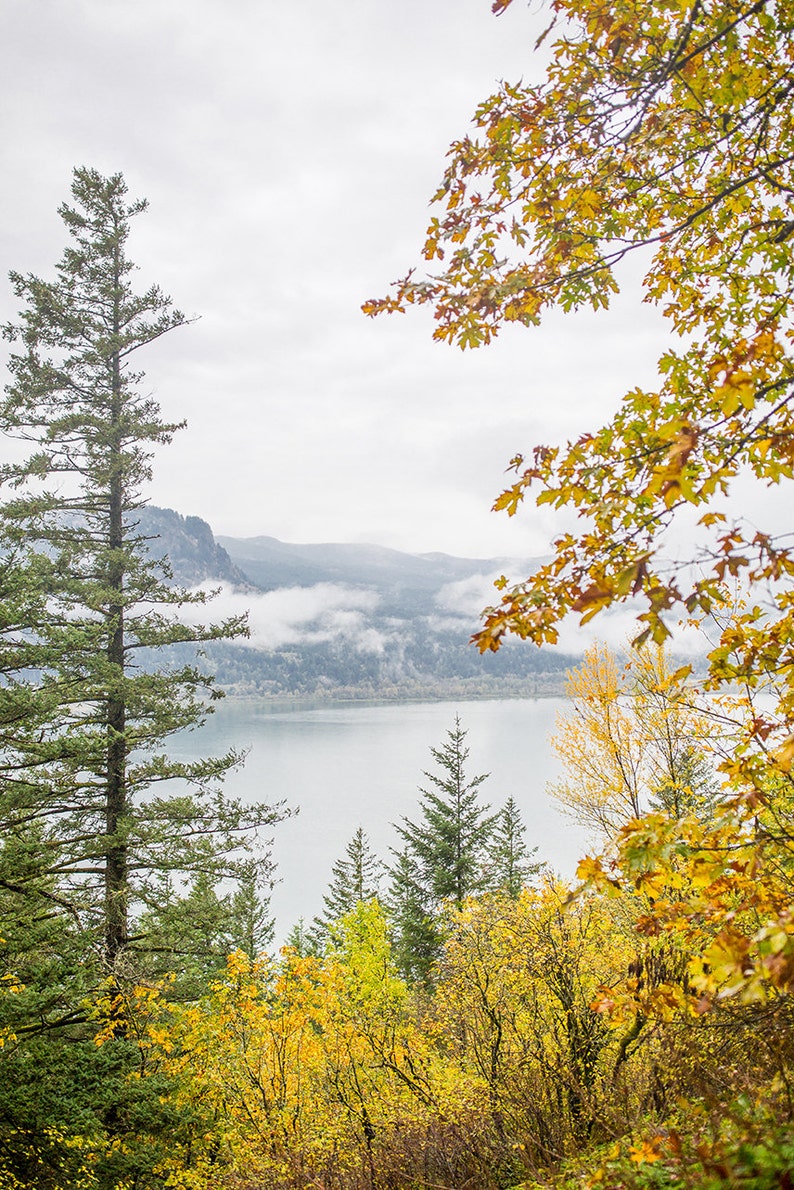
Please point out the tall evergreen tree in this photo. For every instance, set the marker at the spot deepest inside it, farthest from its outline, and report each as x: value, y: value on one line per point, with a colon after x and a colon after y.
x: 86, y: 708
x: 443, y: 856
x: 354, y: 878
x: 94, y: 814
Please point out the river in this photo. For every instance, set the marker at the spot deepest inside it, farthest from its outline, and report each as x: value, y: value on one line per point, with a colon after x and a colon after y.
x: 351, y: 765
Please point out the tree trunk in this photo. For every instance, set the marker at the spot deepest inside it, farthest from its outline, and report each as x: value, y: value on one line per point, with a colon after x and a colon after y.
x: 116, y: 868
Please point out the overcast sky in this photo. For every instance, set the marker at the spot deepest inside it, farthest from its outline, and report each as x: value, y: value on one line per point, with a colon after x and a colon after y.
x: 288, y: 151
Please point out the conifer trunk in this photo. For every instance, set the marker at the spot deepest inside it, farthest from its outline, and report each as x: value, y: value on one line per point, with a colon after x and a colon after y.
x: 116, y: 863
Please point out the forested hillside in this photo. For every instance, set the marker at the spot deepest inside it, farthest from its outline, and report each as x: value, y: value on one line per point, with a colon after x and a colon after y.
x: 349, y: 621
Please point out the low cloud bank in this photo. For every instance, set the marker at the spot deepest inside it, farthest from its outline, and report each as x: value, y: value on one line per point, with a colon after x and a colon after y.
x: 296, y: 615
x: 615, y: 626
x: 468, y: 596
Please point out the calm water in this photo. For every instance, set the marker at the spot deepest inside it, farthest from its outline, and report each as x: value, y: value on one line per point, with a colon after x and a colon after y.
x: 355, y: 765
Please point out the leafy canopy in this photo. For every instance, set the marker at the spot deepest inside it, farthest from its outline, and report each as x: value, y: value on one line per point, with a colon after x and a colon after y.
x: 633, y: 739
x: 663, y: 126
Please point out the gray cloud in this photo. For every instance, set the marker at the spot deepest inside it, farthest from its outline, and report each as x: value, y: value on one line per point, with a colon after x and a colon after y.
x: 295, y: 615
x: 469, y: 596
x: 289, y: 151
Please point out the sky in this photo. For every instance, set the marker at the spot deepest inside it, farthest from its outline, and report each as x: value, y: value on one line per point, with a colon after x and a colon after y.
x: 288, y: 152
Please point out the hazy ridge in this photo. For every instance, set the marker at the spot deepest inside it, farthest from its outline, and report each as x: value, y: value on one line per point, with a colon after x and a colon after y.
x: 342, y: 620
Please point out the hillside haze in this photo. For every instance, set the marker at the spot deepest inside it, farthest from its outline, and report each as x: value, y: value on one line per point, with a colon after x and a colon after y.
x: 340, y: 620
x: 406, y: 583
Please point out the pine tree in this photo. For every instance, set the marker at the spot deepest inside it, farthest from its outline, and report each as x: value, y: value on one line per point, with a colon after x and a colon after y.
x: 442, y: 860
x: 190, y: 933
x: 508, y: 866
x: 304, y: 940
x: 354, y: 878
x: 94, y: 814
x: 251, y: 924
x: 87, y: 707
x: 418, y: 935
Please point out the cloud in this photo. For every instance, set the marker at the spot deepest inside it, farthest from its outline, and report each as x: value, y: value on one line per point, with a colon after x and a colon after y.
x: 296, y: 615
x: 615, y: 626
x: 468, y: 596
x: 289, y: 155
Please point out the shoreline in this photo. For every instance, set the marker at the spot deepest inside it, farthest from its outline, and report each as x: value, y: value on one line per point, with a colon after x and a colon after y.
x: 527, y: 689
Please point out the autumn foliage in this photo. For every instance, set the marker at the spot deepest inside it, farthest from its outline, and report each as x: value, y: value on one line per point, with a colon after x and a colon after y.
x: 558, y: 1033
x: 663, y: 130
x: 633, y: 1029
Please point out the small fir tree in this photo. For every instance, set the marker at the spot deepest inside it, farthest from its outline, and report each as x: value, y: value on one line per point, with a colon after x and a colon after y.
x: 443, y: 857
x: 418, y: 936
x: 689, y: 787
x: 191, y: 933
x: 252, y: 925
x: 509, y: 866
x: 304, y: 940
x: 354, y: 878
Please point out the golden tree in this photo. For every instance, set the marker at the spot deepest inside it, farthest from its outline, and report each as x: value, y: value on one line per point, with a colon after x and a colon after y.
x: 663, y: 127
x: 633, y: 740
x: 667, y: 127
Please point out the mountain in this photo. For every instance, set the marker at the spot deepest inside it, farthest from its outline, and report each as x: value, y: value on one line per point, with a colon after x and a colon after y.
x: 406, y: 583
x: 342, y: 620
x: 188, y: 544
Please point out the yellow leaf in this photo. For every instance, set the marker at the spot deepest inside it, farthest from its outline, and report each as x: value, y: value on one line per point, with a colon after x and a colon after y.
x: 784, y: 755
x: 644, y: 1153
